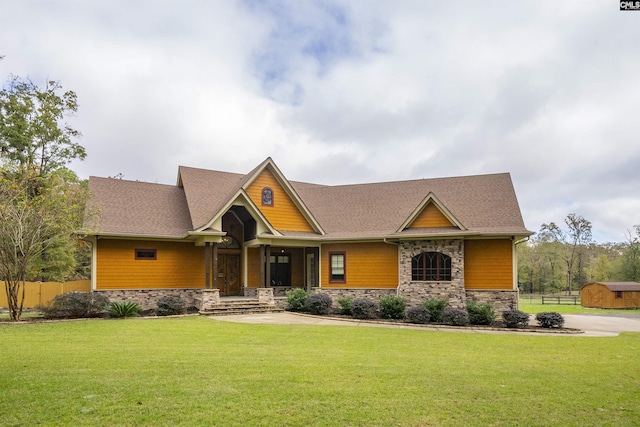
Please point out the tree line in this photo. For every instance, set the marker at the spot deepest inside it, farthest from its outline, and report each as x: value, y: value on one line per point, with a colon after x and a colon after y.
x: 563, y: 258
x: 42, y: 202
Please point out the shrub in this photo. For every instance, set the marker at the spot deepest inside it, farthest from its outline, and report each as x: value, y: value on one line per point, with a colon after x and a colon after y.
x: 75, y: 305
x: 480, y: 313
x: 345, y: 305
x: 319, y: 303
x: 435, y: 307
x: 124, y: 309
x: 392, y: 307
x: 364, y: 309
x: 550, y: 319
x: 170, y: 306
x: 296, y: 298
x: 418, y: 314
x: 515, y: 319
x: 455, y: 316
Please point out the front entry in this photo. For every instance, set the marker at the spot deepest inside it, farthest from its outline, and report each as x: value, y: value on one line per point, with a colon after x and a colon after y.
x: 229, y: 274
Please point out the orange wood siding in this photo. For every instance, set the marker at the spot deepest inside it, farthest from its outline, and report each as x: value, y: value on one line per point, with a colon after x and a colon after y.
x: 284, y: 214
x: 430, y: 217
x: 178, y: 265
x: 488, y: 264
x: 368, y: 265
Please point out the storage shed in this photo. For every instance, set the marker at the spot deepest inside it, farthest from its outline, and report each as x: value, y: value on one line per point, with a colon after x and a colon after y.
x: 611, y: 295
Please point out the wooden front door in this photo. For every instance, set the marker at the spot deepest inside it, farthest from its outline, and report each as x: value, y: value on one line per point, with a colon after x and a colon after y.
x: 229, y: 274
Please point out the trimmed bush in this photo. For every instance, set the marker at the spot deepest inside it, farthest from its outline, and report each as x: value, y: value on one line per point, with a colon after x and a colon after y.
x: 124, y: 309
x: 364, y: 309
x: 319, y: 303
x: 170, y: 306
x: 550, y: 319
x: 392, y: 307
x: 455, y: 316
x: 345, y: 305
x: 418, y: 314
x: 435, y: 307
x: 515, y: 319
x: 296, y: 298
x: 75, y: 305
x: 480, y: 313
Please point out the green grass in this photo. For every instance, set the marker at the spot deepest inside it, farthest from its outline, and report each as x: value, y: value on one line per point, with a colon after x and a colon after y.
x: 197, y: 371
x: 533, y: 305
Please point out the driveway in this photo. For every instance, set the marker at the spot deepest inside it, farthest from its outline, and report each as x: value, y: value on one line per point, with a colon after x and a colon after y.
x: 591, y: 325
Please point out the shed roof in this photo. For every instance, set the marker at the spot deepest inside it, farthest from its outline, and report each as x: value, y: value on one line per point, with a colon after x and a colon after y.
x: 619, y: 286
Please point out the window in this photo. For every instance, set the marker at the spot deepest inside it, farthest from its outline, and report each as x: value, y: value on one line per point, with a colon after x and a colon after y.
x: 149, y: 254
x: 267, y: 197
x: 281, y: 270
x: 431, y: 266
x: 618, y: 294
x: 337, y: 269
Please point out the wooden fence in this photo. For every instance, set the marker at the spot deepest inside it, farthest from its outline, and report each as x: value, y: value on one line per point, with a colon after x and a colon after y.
x: 37, y: 293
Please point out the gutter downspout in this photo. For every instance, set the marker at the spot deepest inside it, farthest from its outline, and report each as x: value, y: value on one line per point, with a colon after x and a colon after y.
x: 398, y: 245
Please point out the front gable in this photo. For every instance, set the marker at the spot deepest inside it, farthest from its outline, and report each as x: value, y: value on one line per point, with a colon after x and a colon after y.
x: 274, y: 197
x: 431, y: 213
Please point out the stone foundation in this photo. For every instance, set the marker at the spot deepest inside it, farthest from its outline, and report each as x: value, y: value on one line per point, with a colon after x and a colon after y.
x: 147, y: 298
x: 278, y: 291
x: 373, y: 294
x: 500, y: 300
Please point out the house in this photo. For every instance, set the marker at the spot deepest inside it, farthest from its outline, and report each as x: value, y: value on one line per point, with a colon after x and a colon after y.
x: 217, y: 234
x: 611, y: 295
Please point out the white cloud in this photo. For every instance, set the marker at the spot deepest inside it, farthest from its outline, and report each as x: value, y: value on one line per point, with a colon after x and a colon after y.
x: 340, y: 92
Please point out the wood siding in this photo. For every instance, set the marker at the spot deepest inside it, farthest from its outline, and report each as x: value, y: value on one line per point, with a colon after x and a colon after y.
x: 430, y: 217
x: 284, y: 214
x: 488, y: 264
x: 368, y: 265
x: 599, y: 296
x: 178, y: 265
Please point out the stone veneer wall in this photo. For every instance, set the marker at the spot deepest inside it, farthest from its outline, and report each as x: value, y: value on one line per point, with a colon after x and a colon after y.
x: 278, y: 291
x: 366, y: 293
x: 416, y: 292
x: 147, y: 298
x: 501, y: 300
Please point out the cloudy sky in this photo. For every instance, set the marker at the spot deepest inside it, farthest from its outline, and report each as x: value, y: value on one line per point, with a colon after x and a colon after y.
x: 351, y: 91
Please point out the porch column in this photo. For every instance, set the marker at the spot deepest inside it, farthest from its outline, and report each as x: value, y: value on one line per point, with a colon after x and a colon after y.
x: 207, y: 265
x: 267, y: 265
x: 265, y: 271
x: 214, y: 257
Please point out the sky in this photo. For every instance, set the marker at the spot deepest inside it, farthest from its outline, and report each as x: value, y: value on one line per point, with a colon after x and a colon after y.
x: 353, y: 91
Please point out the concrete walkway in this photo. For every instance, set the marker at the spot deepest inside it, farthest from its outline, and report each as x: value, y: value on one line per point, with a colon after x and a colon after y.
x: 590, y: 325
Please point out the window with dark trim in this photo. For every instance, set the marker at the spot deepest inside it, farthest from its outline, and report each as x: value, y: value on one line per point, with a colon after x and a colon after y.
x: 280, y: 265
x: 618, y: 294
x: 267, y: 197
x: 431, y: 266
x: 149, y: 254
x: 337, y: 267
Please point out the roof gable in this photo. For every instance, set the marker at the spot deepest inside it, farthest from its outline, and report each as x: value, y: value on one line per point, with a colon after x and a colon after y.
x: 430, y: 213
x: 289, y: 211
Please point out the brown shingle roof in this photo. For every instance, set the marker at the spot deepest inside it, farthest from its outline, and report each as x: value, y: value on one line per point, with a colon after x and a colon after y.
x: 620, y: 286
x: 137, y: 208
x: 483, y: 204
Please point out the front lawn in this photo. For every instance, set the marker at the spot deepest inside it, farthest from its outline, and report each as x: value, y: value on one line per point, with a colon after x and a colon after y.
x: 198, y: 371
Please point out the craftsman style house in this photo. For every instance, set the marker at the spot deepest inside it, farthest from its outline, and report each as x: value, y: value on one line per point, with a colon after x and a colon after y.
x: 261, y: 234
